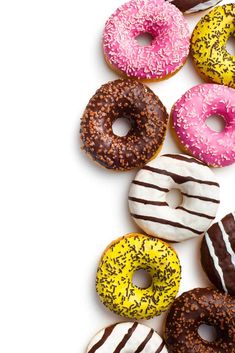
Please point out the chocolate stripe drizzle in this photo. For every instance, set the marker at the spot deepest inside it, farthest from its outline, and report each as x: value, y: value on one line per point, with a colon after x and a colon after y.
x: 159, y: 203
x: 152, y: 186
x: 165, y: 221
x: 201, y: 198
x: 107, y: 333
x: 183, y: 158
x: 179, y: 179
x: 195, y: 213
x: 126, y: 338
x: 148, y: 202
x: 160, y: 348
x: 147, y: 185
x: 143, y: 344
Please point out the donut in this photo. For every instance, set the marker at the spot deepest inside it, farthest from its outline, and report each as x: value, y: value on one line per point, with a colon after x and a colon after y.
x: 120, y: 261
x: 148, y: 118
x: 193, y: 309
x: 191, y: 6
x: 127, y: 337
x: 218, y: 254
x: 148, y: 197
x: 188, y: 119
x: 208, y: 45
x: 168, y: 50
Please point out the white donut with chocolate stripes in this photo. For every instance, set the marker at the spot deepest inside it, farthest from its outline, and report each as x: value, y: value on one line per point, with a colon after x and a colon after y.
x: 148, y: 197
x: 127, y: 337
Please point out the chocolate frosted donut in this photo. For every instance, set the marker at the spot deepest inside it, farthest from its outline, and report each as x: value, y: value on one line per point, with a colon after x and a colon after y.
x: 193, y: 309
x: 218, y: 254
x: 148, y: 118
x: 190, y: 6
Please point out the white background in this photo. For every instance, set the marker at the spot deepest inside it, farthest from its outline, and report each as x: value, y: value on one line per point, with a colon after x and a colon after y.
x: 58, y: 209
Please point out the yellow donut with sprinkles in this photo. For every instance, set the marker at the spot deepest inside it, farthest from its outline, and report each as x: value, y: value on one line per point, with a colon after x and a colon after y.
x: 120, y: 261
x: 208, y: 45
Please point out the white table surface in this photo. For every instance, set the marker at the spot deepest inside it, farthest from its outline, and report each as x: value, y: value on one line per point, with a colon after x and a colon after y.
x: 58, y: 209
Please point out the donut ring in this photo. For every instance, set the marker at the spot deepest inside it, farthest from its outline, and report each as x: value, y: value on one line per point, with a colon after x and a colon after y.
x: 188, y: 118
x: 148, y: 117
x: 218, y: 254
x: 197, y: 307
x: 118, y: 264
x: 148, y: 197
x: 191, y: 6
x: 163, y: 57
x: 208, y: 45
x: 127, y: 337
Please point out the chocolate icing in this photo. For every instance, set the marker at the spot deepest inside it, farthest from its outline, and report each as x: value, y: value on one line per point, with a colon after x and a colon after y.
x: 185, y: 5
x: 194, y: 308
x: 215, y: 234
x: 123, y: 99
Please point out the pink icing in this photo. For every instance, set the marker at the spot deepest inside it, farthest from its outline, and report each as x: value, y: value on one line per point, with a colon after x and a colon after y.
x: 168, y: 50
x: 189, y: 115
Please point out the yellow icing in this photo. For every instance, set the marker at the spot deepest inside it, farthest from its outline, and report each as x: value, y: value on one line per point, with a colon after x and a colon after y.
x: 208, y: 45
x: 119, y: 263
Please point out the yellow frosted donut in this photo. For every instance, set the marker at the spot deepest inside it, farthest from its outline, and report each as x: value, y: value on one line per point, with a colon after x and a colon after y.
x: 125, y: 256
x: 208, y: 45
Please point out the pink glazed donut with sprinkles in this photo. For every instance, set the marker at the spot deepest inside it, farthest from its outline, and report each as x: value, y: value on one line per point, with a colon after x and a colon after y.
x: 168, y: 50
x: 189, y: 116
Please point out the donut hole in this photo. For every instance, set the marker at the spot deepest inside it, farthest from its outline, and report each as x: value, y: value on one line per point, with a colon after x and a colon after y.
x: 144, y: 39
x: 230, y: 46
x: 142, y: 279
x: 207, y: 332
x: 216, y: 123
x: 174, y: 198
x: 121, y: 127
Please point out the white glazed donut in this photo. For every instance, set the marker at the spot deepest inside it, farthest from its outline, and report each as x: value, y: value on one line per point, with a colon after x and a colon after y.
x: 127, y: 337
x: 199, y: 189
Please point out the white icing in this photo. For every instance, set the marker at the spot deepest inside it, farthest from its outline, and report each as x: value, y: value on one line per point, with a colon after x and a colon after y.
x: 133, y: 342
x: 215, y: 261
x: 194, y: 221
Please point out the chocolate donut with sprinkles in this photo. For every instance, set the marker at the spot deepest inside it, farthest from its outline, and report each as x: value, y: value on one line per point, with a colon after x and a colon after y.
x: 208, y: 45
x: 119, y: 263
x: 195, y: 308
x: 148, y: 197
x: 191, y: 6
x: 127, y: 337
x: 189, y: 115
x: 134, y: 101
x: 167, y: 52
x: 218, y: 254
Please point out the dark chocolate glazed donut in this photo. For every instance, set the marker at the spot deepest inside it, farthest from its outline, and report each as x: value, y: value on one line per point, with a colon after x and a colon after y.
x: 123, y: 99
x: 190, y: 6
x: 194, y: 308
x: 218, y: 254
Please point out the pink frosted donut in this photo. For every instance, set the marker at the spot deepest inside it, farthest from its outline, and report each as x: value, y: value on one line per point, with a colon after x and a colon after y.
x: 168, y: 50
x: 189, y: 114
